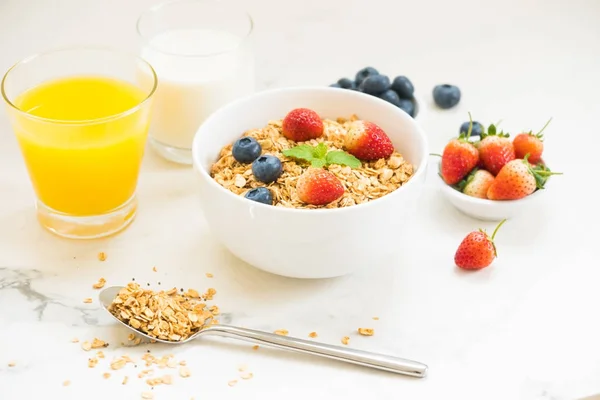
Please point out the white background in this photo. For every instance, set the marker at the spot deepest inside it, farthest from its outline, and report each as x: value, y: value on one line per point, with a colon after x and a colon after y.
x: 526, y: 328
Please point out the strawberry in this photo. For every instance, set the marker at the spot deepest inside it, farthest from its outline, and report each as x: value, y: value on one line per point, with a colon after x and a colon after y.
x: 530, y: 143
x: 302, y: 124
x: 477, y: 183
x: 318, y: 187
x: 477, y: 250
x: 518, y: 179
x: 366, y: 141
x: 458, y: 159
x: 495, y: 150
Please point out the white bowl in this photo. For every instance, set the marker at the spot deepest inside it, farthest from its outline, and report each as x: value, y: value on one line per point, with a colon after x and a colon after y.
x: 488, y: 210
x: 299, y: 243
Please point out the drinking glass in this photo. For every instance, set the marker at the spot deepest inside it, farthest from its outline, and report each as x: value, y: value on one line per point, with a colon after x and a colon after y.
x: 81, y: 117
x: 201, y: 51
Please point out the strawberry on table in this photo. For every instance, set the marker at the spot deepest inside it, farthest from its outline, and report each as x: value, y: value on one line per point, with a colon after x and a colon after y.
x: 302, y: 124
x: 477, y: 183
x: 367, y: 141
x: 530, y: 143
x: 318, y: 187
x: 477, y: 250
x: 518, y: 179
x: 495, y: 150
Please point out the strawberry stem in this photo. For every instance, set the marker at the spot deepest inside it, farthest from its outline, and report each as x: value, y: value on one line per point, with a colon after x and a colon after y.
x: 498, y: 123
x: 539, y: 134
x: 498, y: 227
x: 435, y: 154
x: 470, y: 126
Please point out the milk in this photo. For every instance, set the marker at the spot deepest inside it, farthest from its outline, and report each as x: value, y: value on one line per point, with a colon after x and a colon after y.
x: 199, y: 70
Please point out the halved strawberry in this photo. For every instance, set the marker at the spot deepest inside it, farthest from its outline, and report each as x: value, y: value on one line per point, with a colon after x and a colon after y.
x: 367, y: 141
x: 318, y: 187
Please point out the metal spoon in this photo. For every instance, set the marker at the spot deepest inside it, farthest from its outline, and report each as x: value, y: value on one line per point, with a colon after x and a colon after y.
x: 359, y: 357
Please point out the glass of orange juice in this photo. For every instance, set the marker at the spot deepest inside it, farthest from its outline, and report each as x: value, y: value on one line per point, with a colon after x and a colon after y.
x: 81, y: 118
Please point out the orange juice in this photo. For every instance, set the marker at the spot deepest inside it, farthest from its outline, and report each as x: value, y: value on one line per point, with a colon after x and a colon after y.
x: 84, y: 150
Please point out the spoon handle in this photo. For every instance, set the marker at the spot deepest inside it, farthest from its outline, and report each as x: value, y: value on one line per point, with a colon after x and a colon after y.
x: 353, y: 356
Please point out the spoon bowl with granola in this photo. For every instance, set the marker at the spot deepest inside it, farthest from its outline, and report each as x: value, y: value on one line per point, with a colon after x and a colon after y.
x: 310, y: 182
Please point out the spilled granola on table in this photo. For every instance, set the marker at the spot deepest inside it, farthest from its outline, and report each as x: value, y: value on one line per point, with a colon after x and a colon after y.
x: 372, y: 180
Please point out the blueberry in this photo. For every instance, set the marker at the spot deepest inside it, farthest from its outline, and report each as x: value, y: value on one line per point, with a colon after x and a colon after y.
x: 477, y: 129
x: 375, y: 84
x: 267, y: 168
x: 408, y: 106
x: 390, y: 96
x: 335, y: 85
x: 403, y: 87
x: 347, y: 83
x: 446, y: 96
x: 246, y: 150
x: 261, y: 195
x: 364, y: 73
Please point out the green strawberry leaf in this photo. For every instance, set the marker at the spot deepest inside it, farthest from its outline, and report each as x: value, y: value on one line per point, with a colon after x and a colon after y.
x: 318, y: 162
x: 342, y: 158
x: 302, y: 152
x: 320, y: 150
x: 491, y: 130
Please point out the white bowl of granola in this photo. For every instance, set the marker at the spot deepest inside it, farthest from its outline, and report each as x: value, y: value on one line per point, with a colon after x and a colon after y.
x: 288, y: 237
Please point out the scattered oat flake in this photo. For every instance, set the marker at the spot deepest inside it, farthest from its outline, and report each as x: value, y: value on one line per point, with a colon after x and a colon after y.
x: 92, y: 362
x: 147, y: 395
x: 106, y: 375
x: 282, y: 332
x: 66, y: 383
x: 366, y: 331
x: 255, y: 347
x: 87, y: 300
x: 100, y: 284
x: 376, y: 318
x: 154, y: 269
x: 86, y: 346
x: 125, y: 379
x: 182, y: 363
x: 345, y: 340
x: 209, y: 275
x: 313, y: 335
x: 137, y: 341
x: 74, y: 340
x: 184, y: 372
x: 232, y: 383
x: 100, y: 354
x: 97, y: 343
x: 102, y: 256
x: 118, y: 364
x: 242, y: 368
x: 131, y: 337
x: 247, y: 375
x: 12, y: 363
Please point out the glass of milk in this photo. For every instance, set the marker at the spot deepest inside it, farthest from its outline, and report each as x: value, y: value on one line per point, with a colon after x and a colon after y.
x: 201, y: 52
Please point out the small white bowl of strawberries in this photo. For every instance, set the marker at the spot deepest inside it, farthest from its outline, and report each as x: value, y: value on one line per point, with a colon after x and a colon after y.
x: 495, y: 177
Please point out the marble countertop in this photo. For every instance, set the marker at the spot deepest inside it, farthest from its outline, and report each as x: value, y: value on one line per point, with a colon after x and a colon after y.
x: 525, y: 328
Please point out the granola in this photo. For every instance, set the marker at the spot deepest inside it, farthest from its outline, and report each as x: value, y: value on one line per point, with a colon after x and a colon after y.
x: 167, y: 315
x: 370, y: 181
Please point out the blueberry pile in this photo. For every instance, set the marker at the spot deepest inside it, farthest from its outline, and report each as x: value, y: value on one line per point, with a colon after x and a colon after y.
x: 266, y: 169
x: 399, y: 92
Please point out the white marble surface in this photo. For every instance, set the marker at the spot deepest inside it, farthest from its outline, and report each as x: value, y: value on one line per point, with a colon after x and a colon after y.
x: 525, y: 328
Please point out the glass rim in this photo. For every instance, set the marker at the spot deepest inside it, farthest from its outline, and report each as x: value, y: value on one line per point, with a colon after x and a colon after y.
x: 167, y: 3
x: 75, y: 122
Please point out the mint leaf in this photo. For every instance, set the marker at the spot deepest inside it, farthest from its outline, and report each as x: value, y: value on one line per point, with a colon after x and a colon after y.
x: 320, y: 150
x: 302, y: 152
x: 342, y: 158
x: 318, y: 162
